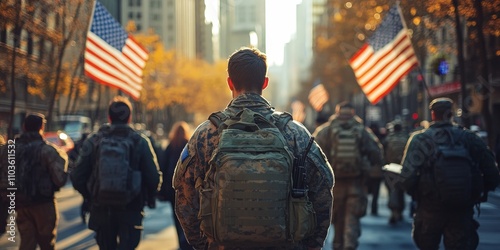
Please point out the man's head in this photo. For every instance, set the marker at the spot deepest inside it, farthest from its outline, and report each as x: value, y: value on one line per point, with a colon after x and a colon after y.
x: 345, y: 110
x: 247, y: 69
x: 119, y: 111
x: 34, y: 122
x: 398, y: 127
x: 441, y: 109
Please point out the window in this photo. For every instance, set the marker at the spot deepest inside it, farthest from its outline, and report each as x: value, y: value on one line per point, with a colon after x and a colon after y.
x: 138, y: 27
x: 130, y: 15
x: 139, y: 15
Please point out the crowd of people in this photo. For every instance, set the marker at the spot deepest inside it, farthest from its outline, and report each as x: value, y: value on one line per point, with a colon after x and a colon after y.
x: 250, y: 177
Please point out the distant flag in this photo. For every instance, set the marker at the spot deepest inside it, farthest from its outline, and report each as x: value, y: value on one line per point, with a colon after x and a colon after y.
x: 318, y: 96
x: 386, y: 58
x: 113, y: 57
x: 298, y: 111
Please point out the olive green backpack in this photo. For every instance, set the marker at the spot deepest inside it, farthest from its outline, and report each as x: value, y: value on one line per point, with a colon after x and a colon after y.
x: 246, y: 194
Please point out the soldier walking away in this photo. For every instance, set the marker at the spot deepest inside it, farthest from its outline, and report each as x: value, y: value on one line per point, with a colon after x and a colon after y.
x: 118, y: 173
x: 236, y: 170
x: 448, y: 170
x: 352, y: 150
x: 394, y: 146
x: 41, y: 170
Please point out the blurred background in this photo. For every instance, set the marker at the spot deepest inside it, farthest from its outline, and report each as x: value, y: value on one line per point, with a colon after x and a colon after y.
x: 42, y: 45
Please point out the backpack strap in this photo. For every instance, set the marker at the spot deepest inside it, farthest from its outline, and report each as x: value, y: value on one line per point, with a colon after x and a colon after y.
x: 281, y: 119
x: 218, y: 118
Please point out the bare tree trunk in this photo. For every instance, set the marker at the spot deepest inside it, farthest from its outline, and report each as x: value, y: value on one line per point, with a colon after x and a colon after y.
x: 486, y: 112
x: 17, y: 42
x: 76, y: 71
x: 62, y: 49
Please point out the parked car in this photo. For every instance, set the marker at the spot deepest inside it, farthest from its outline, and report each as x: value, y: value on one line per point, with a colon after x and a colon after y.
x: 60, y: 139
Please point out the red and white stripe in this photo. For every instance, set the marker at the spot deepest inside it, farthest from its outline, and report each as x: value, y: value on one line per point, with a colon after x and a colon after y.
x: 109, y: 66
x: 318, y: 96
x: 379, y: 72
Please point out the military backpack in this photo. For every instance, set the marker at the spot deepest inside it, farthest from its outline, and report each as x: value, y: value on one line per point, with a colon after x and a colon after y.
x: 116, y: 180
x: 457, y: 178
x: 396, y: 144
x: 245, y: 196
x: 344, y: 152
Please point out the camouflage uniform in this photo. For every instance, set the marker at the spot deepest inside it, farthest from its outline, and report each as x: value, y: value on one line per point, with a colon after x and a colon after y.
x: 350, y: 194
x: 193, y: 164
x: 394, y: 154
x: 432, y: 221
x: 37, y: 220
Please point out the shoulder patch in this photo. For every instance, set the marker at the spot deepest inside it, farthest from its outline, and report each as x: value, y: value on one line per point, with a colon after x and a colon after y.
x: 185, y: 153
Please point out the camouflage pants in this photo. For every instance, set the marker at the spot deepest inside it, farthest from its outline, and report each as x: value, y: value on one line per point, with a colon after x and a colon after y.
x: 459, y: 229
x: 349, y: 206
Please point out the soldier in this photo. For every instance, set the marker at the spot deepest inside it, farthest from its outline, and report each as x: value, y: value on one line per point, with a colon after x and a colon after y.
x: 117, y: 226
x: 247, y: 69
x: 446, y: 169
x: 351, y: 148
x: 41, y: 170
x: 394, y: 146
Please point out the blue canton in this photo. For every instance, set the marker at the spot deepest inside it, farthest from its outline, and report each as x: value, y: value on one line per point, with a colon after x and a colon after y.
x: 387, y: 30
x: 107, y: 28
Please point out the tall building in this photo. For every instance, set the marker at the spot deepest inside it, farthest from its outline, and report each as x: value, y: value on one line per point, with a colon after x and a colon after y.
x: 172, y: 20
x: 242, y: 23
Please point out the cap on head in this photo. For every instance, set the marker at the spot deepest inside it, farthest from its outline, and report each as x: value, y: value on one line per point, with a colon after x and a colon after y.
x: 441, y: 104
x: 33, y: 122
x: 442, y: 108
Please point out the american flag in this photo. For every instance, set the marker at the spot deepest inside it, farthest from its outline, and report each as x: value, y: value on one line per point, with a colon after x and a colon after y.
x: 386, y: 58
x: 113, y: 57
x: 318, y: 96
x: 298, y: 112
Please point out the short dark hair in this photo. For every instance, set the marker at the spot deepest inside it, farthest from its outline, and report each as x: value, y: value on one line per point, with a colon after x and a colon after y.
x: 442, y: 108
x: 119, y: 110
x: 398, y: 127
x: 247, y: 69
x: 33, y: 122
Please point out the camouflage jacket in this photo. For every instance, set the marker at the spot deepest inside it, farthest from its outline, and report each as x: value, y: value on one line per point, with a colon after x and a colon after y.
x: 371, y: 149
x: 193, y: 164
x: 421, y: 148
x: 53, y: 164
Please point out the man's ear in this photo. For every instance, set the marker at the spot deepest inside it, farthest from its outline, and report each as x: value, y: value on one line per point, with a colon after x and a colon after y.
x: 266, y: 82
x: 230, y: 83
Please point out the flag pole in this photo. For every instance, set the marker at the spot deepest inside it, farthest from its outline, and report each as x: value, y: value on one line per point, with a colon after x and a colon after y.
x: 418, y: 66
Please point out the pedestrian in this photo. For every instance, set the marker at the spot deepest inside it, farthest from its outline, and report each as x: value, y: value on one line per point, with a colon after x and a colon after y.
x: 394, y: 146
x: 41, y: 170
x: 448, y: 170
x: 353, y: 150
x: 252, y: 187
x: 178, y: 138
x: 118, y: 173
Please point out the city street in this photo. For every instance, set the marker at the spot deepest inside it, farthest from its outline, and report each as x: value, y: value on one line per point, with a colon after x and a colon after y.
x: 159, y: 232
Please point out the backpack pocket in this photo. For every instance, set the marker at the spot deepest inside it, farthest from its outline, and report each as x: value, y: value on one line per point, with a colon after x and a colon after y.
x: 205, y: 213
x: 302, y: 218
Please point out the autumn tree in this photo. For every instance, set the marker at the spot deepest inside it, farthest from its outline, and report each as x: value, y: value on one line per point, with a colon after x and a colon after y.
x: 173, y: 80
